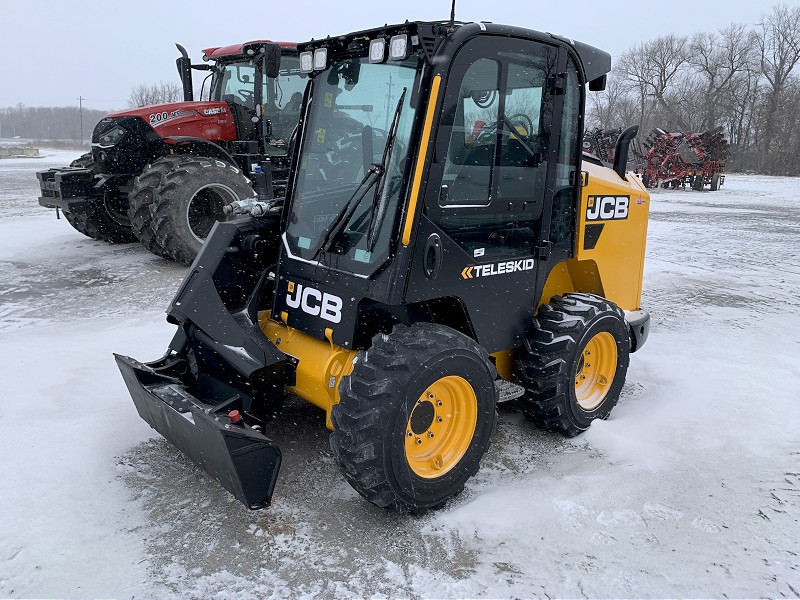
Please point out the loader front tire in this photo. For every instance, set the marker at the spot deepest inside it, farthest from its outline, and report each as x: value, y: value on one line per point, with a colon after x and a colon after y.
x: 190, y: 198
x: 573, y: 362
x: 415, y: 417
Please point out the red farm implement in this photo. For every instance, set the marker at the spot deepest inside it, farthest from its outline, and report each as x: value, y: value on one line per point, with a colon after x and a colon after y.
x: 679, y: 159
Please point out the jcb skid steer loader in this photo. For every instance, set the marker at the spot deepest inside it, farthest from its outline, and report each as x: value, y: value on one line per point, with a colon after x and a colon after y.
x: 443, y: 246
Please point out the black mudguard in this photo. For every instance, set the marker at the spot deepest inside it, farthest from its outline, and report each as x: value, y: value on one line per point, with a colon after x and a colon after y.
x: 219, y: 361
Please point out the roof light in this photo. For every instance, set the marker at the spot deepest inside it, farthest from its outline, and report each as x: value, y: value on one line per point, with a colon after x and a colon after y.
x: 306, y: 62
x: 377, y: 50
x: 398, y: 47
x: 320, y: 59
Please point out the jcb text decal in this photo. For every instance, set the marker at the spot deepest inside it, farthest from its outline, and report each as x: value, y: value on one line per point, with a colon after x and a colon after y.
x: 607, y: 208
x: 501, y: 268
x: 315, y: 303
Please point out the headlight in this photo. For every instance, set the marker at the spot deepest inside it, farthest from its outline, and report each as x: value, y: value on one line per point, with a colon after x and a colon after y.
x: 377, y: 50
x: 111, y: 137
x: 320, y: 59
x: 398, y: 47
x: 306, y: 62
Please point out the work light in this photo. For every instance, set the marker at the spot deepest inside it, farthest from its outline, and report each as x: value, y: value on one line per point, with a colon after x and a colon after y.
x: 398, y: 47
x: 320, y: 59
x: 377, y: 50
x: 306, y: 62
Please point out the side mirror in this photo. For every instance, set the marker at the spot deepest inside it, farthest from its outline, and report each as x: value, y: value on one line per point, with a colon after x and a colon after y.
x: 272, y: 60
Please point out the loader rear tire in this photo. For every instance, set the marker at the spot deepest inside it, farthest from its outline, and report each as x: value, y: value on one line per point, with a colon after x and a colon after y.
x: 415, y: 417
x: 190, y: 198
x: 100, y: 221
x: 573, y: 362
x: 140, y: 201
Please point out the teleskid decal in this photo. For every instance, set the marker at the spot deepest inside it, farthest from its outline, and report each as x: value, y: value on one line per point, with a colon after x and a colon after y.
x: 500, y: 268
x: 607, y: 208
x: 158, y: 119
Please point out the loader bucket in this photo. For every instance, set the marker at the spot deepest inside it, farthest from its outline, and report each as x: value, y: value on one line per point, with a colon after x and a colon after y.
x: 241, y: 458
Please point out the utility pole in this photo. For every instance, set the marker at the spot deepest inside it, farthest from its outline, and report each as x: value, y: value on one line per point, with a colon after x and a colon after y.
x: 80, y: 109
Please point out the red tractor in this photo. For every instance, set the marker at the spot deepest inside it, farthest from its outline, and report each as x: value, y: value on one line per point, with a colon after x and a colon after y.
x: 164, y: 174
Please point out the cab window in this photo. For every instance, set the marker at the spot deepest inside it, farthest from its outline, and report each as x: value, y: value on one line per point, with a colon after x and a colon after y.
x: 493, y: 172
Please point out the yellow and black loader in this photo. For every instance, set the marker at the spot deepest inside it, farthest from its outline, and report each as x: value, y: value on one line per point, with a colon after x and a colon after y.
x: 443, y: 246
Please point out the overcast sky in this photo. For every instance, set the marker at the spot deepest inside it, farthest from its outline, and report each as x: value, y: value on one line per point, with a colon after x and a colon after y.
x: 57, y: 50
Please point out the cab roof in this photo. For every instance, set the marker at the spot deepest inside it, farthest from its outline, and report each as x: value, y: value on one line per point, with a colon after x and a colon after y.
x: 596, y: 63
x: 239, y: 49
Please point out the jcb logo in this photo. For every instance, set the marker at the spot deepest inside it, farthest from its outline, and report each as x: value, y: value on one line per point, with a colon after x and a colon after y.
x: 315, y: 303
x: 607, y: 208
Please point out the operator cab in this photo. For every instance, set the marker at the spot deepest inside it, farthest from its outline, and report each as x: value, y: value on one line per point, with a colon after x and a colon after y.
x: 432, y: 153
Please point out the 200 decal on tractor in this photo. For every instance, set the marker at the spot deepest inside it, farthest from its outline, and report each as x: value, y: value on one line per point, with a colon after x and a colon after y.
x: 444, y: 246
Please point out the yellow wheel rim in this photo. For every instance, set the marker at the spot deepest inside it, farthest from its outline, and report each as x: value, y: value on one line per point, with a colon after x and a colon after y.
x: 441, y: 426
x: 596, y: 369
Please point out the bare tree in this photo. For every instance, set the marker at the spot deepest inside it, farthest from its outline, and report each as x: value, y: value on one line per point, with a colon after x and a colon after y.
x: 777, y: 38
x: 155, y: 93
x: 718, y: 60
x: 652, y: 68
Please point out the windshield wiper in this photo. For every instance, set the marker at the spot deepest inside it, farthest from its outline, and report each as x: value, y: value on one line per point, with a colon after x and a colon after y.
x: 335, y: 228
x: 372, y: 177
x: 378, y: 208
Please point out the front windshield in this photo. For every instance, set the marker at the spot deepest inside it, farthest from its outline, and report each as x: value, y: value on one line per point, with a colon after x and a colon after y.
x: 234, y: 83
x: 353, y: 106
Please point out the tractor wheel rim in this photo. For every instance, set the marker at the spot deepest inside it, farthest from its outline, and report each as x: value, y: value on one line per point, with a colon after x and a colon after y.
x: 441, y: 427
x: 595, y: 370
x: 206, y: 208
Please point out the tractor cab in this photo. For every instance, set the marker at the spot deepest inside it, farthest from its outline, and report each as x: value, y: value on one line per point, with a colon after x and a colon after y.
x: 265, y: 108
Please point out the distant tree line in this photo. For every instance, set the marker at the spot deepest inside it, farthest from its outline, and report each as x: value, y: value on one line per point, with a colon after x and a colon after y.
x: 739, y: 78
x: 64, y: 122
x: 48, y: 123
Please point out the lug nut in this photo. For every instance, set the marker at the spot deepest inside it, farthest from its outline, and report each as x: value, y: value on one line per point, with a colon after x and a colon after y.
x: 419, y: 441
x: 430, y: 434
x: 438, y: 419
x: 430, y: 395
x: 438, y: 403
x: 410, y: 434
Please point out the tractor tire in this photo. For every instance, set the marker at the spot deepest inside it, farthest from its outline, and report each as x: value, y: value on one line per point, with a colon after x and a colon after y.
x: 564, y: 392
x: 697, y: 183
x: 715, y: 182
x: 415, y: 417
x: 190, y: 198
x: 646, y: 180
x: 99, y: 222
x: 140, y: 201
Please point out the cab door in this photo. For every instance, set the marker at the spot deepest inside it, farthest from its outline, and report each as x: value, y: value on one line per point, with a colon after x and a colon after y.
x: 483, y: 238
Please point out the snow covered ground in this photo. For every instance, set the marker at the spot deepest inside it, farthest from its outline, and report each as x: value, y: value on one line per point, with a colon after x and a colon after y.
x: 691, y: 488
